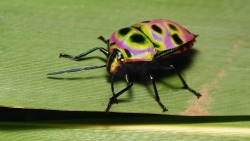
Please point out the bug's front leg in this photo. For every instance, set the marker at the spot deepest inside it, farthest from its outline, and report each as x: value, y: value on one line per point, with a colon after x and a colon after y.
x: 197, y: 94
x: 103, y: 39
x: 113, y: 99
x: 80, y: 56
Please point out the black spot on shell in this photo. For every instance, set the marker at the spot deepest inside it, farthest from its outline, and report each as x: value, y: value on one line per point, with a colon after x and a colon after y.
x: 124, y: 31
x: 156, y: 28
x: 156, y: 45
x: 128, y: 53
x: 173, y: 27
x: 137, y: 38
x: 177, y: 39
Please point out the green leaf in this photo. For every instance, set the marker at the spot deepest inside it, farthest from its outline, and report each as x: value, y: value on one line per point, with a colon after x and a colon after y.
x: 33, y: 33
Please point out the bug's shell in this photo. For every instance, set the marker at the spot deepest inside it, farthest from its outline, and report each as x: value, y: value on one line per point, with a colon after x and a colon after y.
x: 142, y: 41
x: 165, y: 34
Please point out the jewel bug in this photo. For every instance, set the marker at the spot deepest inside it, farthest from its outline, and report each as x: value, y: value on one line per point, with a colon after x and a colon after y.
x: 138, y: 48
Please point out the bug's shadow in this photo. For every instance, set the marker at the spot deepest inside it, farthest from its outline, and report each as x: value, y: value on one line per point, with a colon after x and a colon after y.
x: 181, y: 62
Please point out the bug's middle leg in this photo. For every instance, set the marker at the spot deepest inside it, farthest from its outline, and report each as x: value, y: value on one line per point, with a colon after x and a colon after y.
x: 157, y: 98
x: 113, y: 99
x: 80, y: 56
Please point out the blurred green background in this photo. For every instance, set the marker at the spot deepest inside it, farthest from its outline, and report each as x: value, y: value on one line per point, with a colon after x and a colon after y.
x: 33, y: 33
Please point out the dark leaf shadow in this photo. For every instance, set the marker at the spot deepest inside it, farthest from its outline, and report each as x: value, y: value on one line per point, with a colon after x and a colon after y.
x: 101, y: 118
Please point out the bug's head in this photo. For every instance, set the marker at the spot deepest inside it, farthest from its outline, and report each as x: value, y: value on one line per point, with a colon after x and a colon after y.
x: 115, y: 60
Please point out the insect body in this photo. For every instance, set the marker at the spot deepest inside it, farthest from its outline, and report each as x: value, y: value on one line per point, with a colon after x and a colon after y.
x: 141, y: 46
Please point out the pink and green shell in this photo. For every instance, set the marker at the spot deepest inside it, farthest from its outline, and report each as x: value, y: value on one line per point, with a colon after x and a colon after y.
x: 165, y: 34
x: 150, y: 39
x: 142, y: 41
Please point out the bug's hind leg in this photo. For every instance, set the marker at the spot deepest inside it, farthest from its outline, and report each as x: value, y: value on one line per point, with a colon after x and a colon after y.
x: 185, y: 84
x: 157, y: 98
x: 80, y: 56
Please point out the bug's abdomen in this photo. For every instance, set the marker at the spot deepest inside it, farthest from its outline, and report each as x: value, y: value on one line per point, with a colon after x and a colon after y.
x: 165, y: 34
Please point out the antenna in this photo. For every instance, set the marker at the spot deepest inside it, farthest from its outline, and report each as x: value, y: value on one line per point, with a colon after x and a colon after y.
x: 76, y: 70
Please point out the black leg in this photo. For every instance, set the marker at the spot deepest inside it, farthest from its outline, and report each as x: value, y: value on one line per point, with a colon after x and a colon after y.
x: 103, y: 39
x: 113, y: 99
x: 79, y: 57
x: 185, y: 84
x: 157, y: 98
